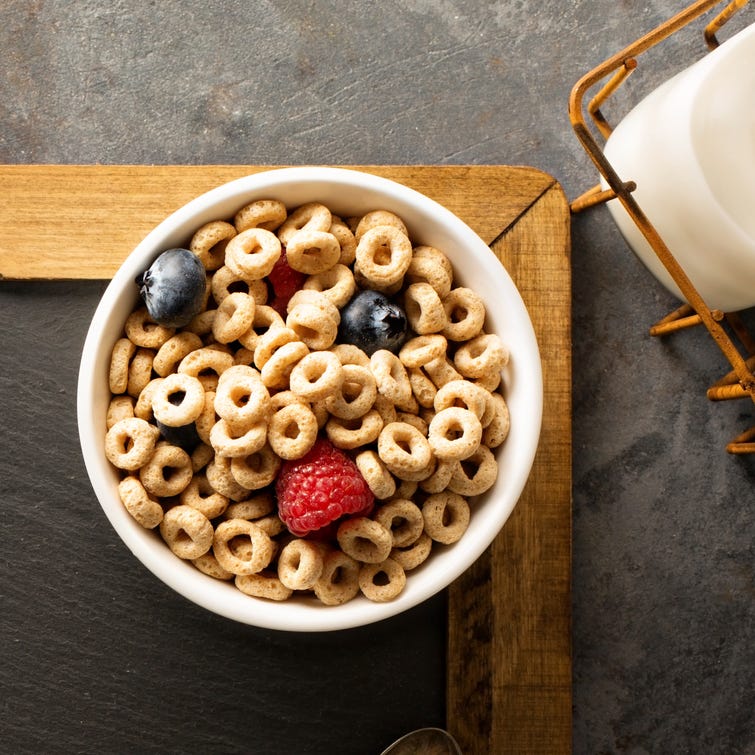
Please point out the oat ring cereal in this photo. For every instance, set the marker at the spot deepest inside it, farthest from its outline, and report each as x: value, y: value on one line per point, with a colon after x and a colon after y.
x: 430, y: 265
x: 464, y: 394
x: 263, y: 213
x: 200, y: 495
x: 257, y: 558
x: 339, y: 581
x: 403, y: 519
x: 454, y: 434
x: 120, y: 359
x: 446, y: 517
x: 382, y: 582
x: 174, y: 350
x: 256, y: 507
x: 356, y: 393
x: 228, y: 442
x: 168, y: 471
x: 178, y: 399
x: 147, y: 512
x: 353, y: 433
x: 234, y: 316
x: 412, y: 556
x: 317, y: 375
x: 120, y: 407
x: 292, y: 431
x: 484, y: 354
x: 336, y: 284
x: 375, y: 218
x: 140, y: 371
x: 345, y: 238
x: 403, y: 448
x: 241, y: 397
x: 277, y: 370
x: 187, y: 532
x: 130, y: 442
x: 376, y: 475
x: 253, y: 253
x: 225, y: 281
x: 219, y: 476
x: 311, y: 252
x: 256, y: 470
x: 365, y: 540
x: 312, y: 216
x: 498, y: 429
x: 265, y: 319
x: 474, y: 475
x: 465, y: 312
x: 300, y: 564
x: 269, y: 342
x: 392, y: 379
x: 210, y: 241
x: 424, y: 309
x: 313, y: 324
x: 204, y: 361
x: 420, y: 350
x: 142, y: 331
x: 383, y: 255
x: 441, y: 371
x: 263, y: 585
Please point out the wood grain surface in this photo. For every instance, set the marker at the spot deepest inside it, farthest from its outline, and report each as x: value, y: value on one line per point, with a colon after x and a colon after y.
x: 509, y: 643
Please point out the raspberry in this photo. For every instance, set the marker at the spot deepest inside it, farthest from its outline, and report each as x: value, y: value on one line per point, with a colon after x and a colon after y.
x: 321, y: 487
x: 285, y: 282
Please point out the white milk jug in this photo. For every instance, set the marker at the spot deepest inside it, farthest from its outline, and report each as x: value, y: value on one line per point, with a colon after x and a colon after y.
x: 690, y: 148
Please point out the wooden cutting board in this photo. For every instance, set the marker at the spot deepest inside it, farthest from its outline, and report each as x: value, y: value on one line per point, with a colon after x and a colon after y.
x: 509, y: 643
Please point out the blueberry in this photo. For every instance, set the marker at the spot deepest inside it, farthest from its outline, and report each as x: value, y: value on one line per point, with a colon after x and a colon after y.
x: 372, y: 321
x: 185, y: 436
x: 173, y: 288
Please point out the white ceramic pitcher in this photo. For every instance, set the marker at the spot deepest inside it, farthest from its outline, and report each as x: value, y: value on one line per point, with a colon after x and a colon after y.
x: 690, y: 148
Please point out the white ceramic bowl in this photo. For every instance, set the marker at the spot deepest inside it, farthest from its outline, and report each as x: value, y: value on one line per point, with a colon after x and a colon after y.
x: 348, y: 193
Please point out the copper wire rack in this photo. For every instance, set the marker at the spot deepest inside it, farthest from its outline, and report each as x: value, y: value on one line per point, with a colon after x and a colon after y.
x: 727, y: 329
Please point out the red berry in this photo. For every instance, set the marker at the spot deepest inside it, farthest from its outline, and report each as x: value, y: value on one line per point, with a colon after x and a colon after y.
x: 285, y: 282
x: 321, y: 487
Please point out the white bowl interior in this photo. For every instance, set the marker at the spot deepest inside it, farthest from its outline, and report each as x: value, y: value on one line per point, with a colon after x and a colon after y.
x: 348, y: 193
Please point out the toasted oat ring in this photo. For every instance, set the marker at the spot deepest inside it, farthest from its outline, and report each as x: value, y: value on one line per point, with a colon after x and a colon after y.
x: 345, y: 238
x: 120, y: 407
x: 143, y: 406
x: 430, y: 265
x: 350, y: 354
x: 200, y: 495
x: 223, y: 547
x: 311, y: 252
x: 253, y: 253
x: 140, y: 371
x: 403, y: 519
x: 257, y: 470
x: 446, y: 517
x: 438, y: 481
x: 317, y: 375
x: 201, y: 324
x: 392, y: 380
x: 383, y: 255
x: 476, y: 474
x: 277, y: 370
x: 376, y: 474
x: 201, y: 456
x: 454, y: 434
x: 178, y: 399
x: 227, y: 442
x: 462, y: 393
x: 364, y: 539
x: 265, y: 318
x: 353, y: 433
x: 255, y: 507
x: 234, y: 316
x: 187, y: 532
x: 423, y: 388
x: 205, y: 361
x: 385, y: 408
x: 300, y: 564
x: 465, y: 312
x: 219, y: 475
x: 269, y: 342
x: 120, y: 358
x: 356, y: 393
x: 411, y: 557
x: 382, y: 582
x: 483, y: 354
x: 208, y: 564
x: 174, y: 350
x: 339, y: 581
x: 143, y: 509
x: 241, y: 397
x: 336, y: 283
x: 206, y: 420
x: 418, y: 351
x: 375, y: 218
x: 130, y: 442
x: 498, y: 429
x: 263, y: 585
x: 313, y: 324
x: 209, y: 243
x: 441, y: 371
x: 292, y: 431
x: 226, y: 282
x: 424, y: 309
x: 312, y: 215
x: 143, y: 331
x: 403, y: 448
x: 262, y: 213
x: 167, y: 472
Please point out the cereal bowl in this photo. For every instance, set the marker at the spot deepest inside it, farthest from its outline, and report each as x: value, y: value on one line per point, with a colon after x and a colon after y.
x: 348, y: 193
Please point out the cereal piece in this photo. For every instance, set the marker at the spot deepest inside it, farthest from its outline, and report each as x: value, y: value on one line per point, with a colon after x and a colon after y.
x: 263, y: 585
x: 201, y: 324
x: 376, y: 474
x: 273, y: 525
x: 392, y: 379
x: 355, y: 395
x: 346, y: 240
x: 383, y: 255
x: 234, y: 317
x: 242, y: 399
x: 145, y: 332
x: 207, y: 419
x: 269, y: 342
x: 348, y: 353
x: 312, y: 252
x: 423, y: 389
x: 353, y: 433
x: 143, y: 406
x: 317, y: 375
x: 143, y: 509
x: 382, y: 582
x: 252, y: 508
x: 120, y: 407
x: 208, y: 564
x: 430, y: 265
x: 476, y: 474
x: 365, y: 540
x: 424, y: 309
x: 225, y: 282
x: 413, y: 419
x: 454, y: 434
x: 140, y: 371
x: 300, y: 564
x: 312, y: 216
x: 385, y: 408
x: 223, y: 546
x: 200, y: 495
x: 219, y: 475
x: 498, y: 429
x: 463, y: 394
x: 418, y: 351
x: 201, y: 456
x: 336, y: 284
x: 206, y: 362
x: 120, y: 359
x: 265, y: 318
x: 257, y: 470
x: 178, y: 400
x: 262, y: 213
x: 210, y: 241
x: 227, y: 441
x: 277, y: 370
x: 292, y: 431
x: 339, y: 581
x: 187, y: 532
x: 375, y: 218
x: 481, y: 355
x: 465, y: 312
x: 446, y: 517
x: 405, y: 489
x: 130, y: 442
x: 438, y: 481
x: 403, y: 519
x: 167, y: 472
x: 252, y: 254
x: 441, y: 371
x: 403, y: 449
x: 174, y: 350
x: 490, y: 382
x: 313, y: 324
x: 416, y: 554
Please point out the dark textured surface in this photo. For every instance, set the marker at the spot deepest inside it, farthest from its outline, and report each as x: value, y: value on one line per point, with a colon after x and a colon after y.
x: 663, y: 518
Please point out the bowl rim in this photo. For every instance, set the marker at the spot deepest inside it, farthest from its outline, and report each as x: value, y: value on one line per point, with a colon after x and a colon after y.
x: 296, y: 615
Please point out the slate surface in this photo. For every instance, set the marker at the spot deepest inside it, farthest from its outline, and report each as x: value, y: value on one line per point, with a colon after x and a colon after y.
x: 663, y: 559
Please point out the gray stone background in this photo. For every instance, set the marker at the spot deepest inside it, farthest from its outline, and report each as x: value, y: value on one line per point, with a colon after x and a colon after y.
x: 663, y: 517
